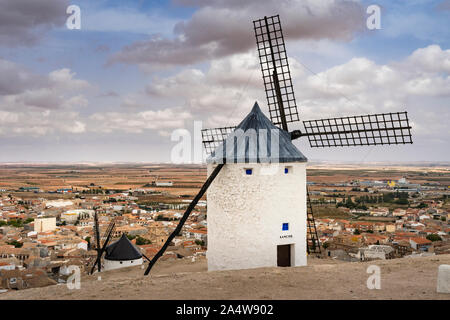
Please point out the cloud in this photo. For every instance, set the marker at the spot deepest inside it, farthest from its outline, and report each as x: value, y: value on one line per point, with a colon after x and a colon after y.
x: 222, y: 28
x: 124, y: 19
x: 223, y: 94
x: 21, y: 89
x: 429, y: 59
x: 16, y: 78
x: 24, y: 22
x: 39, y: 123
x: 162, y: 120
x: 34, y: 104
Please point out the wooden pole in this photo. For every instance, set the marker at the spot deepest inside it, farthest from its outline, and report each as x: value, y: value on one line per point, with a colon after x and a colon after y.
x: 185, y: 216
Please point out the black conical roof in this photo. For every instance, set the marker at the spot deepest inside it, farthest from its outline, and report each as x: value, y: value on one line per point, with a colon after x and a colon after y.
x: 122, y: 249
x: 263, y: 131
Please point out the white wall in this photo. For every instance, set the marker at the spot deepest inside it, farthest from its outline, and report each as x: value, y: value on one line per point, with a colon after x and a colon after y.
x: 82, y: 245
x: 113, y: 264
x: 8, y: 267
x: 246, y: 213
x: 45, y: 224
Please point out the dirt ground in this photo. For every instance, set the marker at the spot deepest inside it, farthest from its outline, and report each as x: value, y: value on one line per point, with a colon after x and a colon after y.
x: 407, y: 278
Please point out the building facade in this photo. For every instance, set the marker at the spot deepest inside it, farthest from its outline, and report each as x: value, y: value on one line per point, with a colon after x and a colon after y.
x: 45, y: 224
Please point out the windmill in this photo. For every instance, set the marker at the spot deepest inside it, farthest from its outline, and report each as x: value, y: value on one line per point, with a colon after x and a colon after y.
x: 99, y: 246
x: 361, y: 130
x: 374, y: 129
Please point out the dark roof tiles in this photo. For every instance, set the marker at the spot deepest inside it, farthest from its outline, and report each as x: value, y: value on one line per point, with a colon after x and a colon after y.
x: 255, y: 141
x: 122, y: 250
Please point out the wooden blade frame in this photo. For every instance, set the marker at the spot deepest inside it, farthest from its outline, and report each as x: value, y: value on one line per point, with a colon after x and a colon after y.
x: 96, y: 231
x: 101, y: 250
x: 212, y: 138
x: 312, y: 239
x: 366, y: 130
x: 275, y: 71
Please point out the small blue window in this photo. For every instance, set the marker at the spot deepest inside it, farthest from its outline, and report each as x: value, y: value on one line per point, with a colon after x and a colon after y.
x: 248, y: 171
x: 285, y: 226
x: 286, y: 170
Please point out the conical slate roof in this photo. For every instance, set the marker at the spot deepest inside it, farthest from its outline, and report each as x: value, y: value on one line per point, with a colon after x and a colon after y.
x: 122, y: 250
x: 257, y: 140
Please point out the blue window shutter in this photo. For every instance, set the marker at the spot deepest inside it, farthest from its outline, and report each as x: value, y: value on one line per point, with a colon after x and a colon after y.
x: 248, y: 171
x: 285, y: 226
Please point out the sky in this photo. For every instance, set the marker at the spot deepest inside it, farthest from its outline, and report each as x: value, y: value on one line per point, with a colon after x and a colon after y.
x: 138, y: 71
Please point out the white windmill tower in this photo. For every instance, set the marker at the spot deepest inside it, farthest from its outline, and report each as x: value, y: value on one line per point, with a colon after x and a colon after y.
x: 254, y: 219
x: 257, y: 204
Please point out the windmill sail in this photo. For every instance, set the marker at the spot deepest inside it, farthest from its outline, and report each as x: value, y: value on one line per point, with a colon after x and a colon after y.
x: 364, y: 130
x: 275, y: 71
x: 373, y: 129
x: 96, y: 231
x: 212, y: 138
x: 100, y: 250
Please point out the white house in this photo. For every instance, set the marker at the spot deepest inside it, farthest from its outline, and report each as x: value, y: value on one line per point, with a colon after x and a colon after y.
x: 257, y: 203
x: 72, y: 216
x: 7, y: 264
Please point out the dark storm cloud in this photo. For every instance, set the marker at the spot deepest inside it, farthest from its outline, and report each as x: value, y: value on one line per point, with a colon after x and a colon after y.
x: 23, y: 22
x: 220, y: 28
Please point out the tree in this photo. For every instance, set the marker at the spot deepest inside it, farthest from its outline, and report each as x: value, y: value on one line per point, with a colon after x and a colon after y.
x: 15, y: 243
x: 402, y: 201
x: 356, y: 232
x: 88, y: 240
x: 422, y: 205
x: 200, y: 242
x: 434, y: 237
x: 142, y: 241
x: 15, y: 223
x: 388, y: 197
